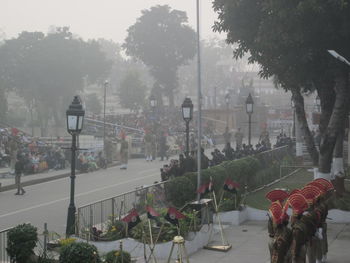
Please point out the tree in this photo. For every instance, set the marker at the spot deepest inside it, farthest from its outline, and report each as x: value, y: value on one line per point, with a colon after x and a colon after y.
x: 50, y: 69
x: 93, y: 104
x: 163, y: 41
x: 132, y: 91
x: 289, y: 39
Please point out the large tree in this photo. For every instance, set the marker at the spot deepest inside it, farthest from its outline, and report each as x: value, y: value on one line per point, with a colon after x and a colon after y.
x: 162, y: 40
x: 132, y: 91
x: 49, y: 69
x: 289, y: 39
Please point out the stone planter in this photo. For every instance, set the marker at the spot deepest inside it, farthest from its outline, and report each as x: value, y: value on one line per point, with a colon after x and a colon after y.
x: 194, y: 242
x: 234, y: 217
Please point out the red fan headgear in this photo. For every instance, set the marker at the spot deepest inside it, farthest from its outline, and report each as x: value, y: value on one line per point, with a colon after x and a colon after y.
x: 277, y: 195
x: 298, y: 203
x: 329, y: 186
x: 311, y: 193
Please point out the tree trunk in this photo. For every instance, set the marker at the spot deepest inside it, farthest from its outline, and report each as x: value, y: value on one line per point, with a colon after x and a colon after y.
x: 336, y: 122
x: 307, y: 136
x: 338, y: 164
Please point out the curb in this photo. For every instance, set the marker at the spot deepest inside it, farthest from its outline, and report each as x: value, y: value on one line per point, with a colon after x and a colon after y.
x: 43, y: 180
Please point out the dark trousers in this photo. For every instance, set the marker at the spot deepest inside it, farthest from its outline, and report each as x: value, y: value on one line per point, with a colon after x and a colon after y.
x: 18, y: 182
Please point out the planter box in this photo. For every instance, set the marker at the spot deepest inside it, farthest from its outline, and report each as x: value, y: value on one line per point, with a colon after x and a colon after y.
x: 162, y: 250
x: 231, y: 217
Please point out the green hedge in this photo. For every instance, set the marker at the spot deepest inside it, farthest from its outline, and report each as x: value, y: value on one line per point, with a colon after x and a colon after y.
x: 250, y: 172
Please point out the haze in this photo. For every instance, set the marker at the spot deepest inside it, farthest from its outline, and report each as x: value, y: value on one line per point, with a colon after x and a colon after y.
x: 91, y: 18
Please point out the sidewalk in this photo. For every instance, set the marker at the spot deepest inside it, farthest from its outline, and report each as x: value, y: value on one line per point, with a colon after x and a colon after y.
x: 249, y: 245
x: 7, y: 181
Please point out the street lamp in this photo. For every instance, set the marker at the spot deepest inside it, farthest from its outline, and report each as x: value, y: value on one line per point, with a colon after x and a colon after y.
x: 249, y: 103
x: 75, y: 118
x: 152, y: 102
x: 187, y: 113
x: 105, y: 85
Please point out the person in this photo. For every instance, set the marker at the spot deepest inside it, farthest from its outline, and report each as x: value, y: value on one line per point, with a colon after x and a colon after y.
x: 227, y: 136
x: 239, y: 139
x: 124, y: 152
x: 19, y: 167
x: 148, y: 146
x: 228, y: 151
x: 162, y: 147
x: 13, y: 147
x: 265, y: 138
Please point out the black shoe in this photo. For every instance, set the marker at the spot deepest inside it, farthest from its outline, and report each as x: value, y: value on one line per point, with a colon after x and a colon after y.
x: 17, y: 193
x: 23, y: 192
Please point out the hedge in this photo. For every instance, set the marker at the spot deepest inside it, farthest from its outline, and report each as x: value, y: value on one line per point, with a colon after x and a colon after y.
x: 250, y: 172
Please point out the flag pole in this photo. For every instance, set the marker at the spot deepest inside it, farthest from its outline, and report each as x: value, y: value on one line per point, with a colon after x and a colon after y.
x: 151, y: 238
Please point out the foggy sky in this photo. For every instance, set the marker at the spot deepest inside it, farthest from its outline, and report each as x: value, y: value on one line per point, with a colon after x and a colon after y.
x: 107, y: 19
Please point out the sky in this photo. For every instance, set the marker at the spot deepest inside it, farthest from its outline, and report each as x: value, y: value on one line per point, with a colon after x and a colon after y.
x: 107, y: 19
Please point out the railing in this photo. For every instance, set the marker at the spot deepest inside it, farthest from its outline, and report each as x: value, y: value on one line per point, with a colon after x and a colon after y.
x: 4, y: 257
x: 100, y: 213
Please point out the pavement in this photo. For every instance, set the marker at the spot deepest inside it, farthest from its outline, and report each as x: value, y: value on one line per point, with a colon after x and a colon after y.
x: 249, y: 245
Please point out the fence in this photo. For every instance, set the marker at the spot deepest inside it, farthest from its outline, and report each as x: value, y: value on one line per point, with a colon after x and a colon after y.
x: 4, y: 257
x: 99, y: 214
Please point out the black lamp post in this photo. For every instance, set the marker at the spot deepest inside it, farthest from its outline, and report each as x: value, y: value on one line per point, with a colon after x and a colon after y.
x: 249, y: 103
x: 75, y: 118
x: 187, y: 114
x: 105, y: 85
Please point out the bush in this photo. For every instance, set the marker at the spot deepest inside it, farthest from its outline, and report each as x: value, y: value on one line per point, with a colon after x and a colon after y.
x: 21, y: 243
x: 115, y: 231
x: 116, y: 256
x: 180, y: 190
x: 78, y: 253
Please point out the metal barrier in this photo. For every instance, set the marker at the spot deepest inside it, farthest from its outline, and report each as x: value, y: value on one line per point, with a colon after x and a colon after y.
x: 101, y: 213
x: 4, y: 257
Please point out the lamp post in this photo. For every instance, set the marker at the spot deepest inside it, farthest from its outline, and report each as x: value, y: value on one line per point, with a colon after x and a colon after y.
x: 75, y: 118
x: 105, y: 84
x: 153, y: 103
x: 187, y: 113
x: 249, y: 103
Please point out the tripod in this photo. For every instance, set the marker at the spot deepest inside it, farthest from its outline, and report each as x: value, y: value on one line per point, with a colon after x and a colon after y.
x: 181, y: 250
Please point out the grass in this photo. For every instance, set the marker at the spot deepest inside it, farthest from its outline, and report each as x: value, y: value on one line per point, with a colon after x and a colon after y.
x: 297, y: 180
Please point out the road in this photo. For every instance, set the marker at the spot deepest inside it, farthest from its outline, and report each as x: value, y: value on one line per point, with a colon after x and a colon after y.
x: 48, y: 202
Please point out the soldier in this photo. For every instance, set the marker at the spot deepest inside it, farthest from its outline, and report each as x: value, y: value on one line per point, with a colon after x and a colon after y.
x: 299, y: 239
x: 13, y: 147
x: 124, y: 153
x: 280, y: 252
x: 239, y: 139
x: 148, y: 146
x: 276, y: 195
x: 311, y: 194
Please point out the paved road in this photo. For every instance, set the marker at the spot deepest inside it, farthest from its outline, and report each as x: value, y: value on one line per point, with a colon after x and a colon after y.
x: 48, y: 202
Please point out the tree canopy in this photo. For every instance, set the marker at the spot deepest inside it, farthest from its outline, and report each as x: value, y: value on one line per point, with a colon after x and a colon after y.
x: 50, y: 69
x: 162, y: 40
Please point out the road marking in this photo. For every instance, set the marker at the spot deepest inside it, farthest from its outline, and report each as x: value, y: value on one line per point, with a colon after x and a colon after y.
x: 77, y: 195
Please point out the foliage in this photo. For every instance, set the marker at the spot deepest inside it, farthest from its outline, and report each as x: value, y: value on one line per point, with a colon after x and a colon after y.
x: 180, y: 190
x: 115, y: 230
x: 50, y: 69
x: 117, y: 256
x: 66, y: 241
x: 21, y: 243
x: 163, y: 41
x: 132, y: 91
x: 163, y: 229
x: 93, y: 104
x: 230, y: 201
x: 79, y: 252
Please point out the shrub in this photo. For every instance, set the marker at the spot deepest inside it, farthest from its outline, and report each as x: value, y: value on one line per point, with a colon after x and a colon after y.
x: 78, y: 253
x: 66, y: 241
x: 21, y: 243
x: 115, y: 256
x: 180, y: 190
x: 115, y: 231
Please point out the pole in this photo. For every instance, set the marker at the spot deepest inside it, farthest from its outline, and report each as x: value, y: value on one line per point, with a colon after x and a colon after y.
x: 293, y: 129
x: 199, y: 101
x: 70, y: 228
x: 187, y: 138
x: 215, y: 97
x: 104, y: 118
x: 227, y: 117
x: 250, y: 128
